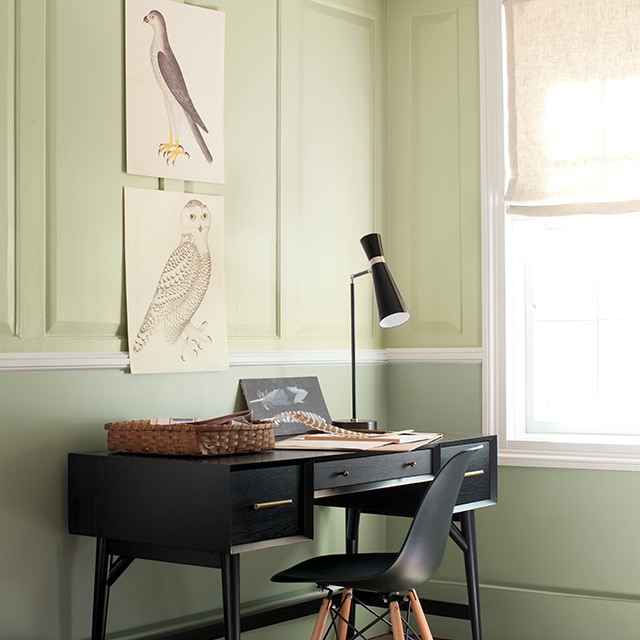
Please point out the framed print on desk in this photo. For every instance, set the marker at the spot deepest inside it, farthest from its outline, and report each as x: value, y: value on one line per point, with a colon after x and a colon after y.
x: 267, y: 397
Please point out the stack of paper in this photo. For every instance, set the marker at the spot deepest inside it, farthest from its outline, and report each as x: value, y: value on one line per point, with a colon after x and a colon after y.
x: 383, y: 440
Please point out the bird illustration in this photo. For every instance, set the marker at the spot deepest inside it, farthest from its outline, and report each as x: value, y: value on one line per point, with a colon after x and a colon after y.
x: 182, y: 285
x: 177, y: 100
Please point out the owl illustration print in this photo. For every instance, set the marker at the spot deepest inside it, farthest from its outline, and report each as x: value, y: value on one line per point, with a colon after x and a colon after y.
x: 181, y: 289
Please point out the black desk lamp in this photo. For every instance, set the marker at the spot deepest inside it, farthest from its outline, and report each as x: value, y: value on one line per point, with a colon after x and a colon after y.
x: 392, y: 311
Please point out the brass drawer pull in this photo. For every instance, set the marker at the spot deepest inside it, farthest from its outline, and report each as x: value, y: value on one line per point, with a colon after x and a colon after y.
x: 345, y: 473
x: 268, y: 505
x: 471, y: 474
x: 413, y: 464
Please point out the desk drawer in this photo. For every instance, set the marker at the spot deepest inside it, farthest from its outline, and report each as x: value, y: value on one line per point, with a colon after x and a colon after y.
x: 477, y: 485
x: 268, y: 504
x: 370, y: 469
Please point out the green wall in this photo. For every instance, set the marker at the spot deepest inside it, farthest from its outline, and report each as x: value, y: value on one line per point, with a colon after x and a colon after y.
x: 341, y: 117
x: 46, y: 574
x: 557, y: 555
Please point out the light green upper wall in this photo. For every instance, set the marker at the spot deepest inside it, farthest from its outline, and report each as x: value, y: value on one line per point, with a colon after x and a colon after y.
x: 341, y: 118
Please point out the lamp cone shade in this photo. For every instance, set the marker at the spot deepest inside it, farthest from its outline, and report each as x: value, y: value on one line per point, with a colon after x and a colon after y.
x: 392, y: 310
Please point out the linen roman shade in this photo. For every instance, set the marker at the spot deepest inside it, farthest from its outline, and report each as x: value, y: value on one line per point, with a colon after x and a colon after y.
x: 573, y: 98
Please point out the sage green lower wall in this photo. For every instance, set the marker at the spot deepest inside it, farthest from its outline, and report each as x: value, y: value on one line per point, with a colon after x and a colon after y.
x: 46, y: 574
x: 558, y: 554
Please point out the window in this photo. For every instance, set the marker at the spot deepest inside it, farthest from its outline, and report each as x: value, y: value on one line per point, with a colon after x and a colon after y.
x: 561, y: 160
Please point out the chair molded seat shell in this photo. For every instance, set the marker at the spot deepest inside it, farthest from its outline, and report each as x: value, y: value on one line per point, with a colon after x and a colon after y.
x: 357, y: 570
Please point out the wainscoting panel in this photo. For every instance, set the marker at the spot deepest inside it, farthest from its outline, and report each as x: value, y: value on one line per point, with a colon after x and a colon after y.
x: 84, y: 156
x: 332, y: 151
x: 7, y: 170
x: 251, y: 192
x: 435, y: 170
x: 29, y: 171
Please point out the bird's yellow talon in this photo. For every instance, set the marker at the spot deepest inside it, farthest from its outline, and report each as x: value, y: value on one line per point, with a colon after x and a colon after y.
x: 171, y: 151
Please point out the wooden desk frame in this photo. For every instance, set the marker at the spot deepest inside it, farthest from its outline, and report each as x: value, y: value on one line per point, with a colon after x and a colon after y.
x: 114, y: 498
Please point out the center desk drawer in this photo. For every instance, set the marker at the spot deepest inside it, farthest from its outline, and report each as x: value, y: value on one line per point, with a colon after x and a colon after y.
x: 374, y: 468
x: 268, y: 504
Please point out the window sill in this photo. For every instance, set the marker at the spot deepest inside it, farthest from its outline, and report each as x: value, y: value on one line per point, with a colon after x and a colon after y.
x: 569, y: 455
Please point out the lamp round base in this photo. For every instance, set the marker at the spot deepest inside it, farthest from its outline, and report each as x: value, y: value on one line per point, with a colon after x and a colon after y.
x: 355, y: 425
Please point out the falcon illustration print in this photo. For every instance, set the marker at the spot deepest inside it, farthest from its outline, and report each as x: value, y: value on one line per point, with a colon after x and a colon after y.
x: 177, y: 101
x: 182, y: 287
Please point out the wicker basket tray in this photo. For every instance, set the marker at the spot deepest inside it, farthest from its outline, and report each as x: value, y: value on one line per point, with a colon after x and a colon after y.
x: 235, y: 433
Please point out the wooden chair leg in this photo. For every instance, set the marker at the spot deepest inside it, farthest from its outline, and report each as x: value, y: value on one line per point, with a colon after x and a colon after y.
x: 418, y: 614
x: 345, y: 611
x: 321, y: 620
x: 396, y: 620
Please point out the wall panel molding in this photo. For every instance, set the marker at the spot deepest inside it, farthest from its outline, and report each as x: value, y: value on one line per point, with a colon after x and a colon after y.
x: 252, y: 185
x: 436, y: 247
x: 30, y: 167
x: 7, y: 170
x: 84, y: 286
x: 332, y: 149
x: 434, y: 170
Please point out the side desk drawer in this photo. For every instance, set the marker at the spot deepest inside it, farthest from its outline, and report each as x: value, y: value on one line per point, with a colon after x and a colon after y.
x: 477, y: 485
x: 268, y: 504
x: 334, y: 474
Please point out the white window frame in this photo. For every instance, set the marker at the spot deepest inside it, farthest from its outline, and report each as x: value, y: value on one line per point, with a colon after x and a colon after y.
x: 512, y: 450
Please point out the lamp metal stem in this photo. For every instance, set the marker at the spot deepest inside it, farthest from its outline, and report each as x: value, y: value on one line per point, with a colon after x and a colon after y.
x: 352, y: 296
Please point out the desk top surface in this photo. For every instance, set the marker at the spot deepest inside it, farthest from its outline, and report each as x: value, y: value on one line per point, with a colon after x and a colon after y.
x: 276, y: 456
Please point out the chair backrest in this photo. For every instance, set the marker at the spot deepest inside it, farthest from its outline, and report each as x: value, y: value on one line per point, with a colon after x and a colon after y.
x: 426, y: 540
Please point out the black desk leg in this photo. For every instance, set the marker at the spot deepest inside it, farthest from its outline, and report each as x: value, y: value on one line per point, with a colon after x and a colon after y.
x: 100, y: 591
x: 352, y: 526
x: 352, y: 516
x: 468, y: 528
x: 231, y: 595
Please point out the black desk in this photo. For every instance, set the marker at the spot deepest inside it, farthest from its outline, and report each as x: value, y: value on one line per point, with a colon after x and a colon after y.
x: 207, y: 511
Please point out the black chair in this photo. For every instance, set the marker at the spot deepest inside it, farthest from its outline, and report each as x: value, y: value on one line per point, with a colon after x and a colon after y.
x: 393, y: 576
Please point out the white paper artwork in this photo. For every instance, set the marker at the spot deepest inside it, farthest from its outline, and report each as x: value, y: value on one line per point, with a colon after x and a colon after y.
x: 174, y: 253
x: 175, y: 90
